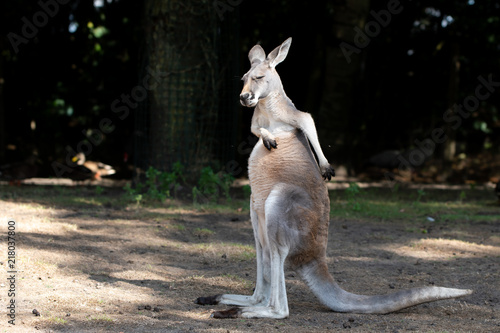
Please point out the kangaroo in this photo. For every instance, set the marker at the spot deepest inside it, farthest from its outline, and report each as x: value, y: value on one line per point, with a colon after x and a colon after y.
x: 290, y: 212
x: 274, y: 111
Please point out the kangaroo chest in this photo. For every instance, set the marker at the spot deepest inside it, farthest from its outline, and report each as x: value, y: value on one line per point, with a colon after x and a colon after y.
x: 291, y: 163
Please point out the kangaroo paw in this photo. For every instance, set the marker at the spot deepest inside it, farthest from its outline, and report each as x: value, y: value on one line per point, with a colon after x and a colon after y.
x: 328, y: 172
x: 270, y: 143
x: 210, y: 300
x: 231, y: 313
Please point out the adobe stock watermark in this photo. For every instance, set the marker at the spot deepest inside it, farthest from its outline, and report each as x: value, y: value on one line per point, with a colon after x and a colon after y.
x: 372, y: 29
x: 453, y: 117
x: 40, y: 19
x: 11, y: 267
x: 222, y: 7
x: 121, y: 108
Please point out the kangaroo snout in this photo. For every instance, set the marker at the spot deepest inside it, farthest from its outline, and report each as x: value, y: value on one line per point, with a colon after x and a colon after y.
x: 247, y: 99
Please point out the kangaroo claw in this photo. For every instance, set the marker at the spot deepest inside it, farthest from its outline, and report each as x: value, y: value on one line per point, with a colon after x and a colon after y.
x: 269, y: 144
x: 329, y: 173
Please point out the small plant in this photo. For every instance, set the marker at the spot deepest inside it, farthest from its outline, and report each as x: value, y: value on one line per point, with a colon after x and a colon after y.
x: 138, y: 199
x: 58, y: 320
x: 462, y: 196
x: 247, y: 191
x: 420, y: 194
x: 210, y: 184
x: 225, y: 183
x: 352, y: 194
x: 178, y: 227
x: 196, y: 194
x: 170, y: 180
x: 158, y: 184
x: 203, y: 232
x: 154, y: 187
x: 99, y: 190
x: 101, y: 318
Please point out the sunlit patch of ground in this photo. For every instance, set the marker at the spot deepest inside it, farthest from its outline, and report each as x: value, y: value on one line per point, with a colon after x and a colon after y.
x: 441, y: 249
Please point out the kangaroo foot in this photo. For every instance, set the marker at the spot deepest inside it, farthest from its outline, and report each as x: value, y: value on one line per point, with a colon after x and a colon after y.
x: 231, y: 313
x: 210, y: 300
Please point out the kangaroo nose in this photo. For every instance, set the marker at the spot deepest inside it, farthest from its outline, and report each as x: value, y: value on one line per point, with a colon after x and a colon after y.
x: 244, y: 96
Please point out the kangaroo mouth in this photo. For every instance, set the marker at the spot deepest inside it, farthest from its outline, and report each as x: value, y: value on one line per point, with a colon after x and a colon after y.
x: 249, y: 103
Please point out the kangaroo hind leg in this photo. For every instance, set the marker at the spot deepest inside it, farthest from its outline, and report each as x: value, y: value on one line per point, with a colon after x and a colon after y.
x: 262, y: 286
x: 277, y: 236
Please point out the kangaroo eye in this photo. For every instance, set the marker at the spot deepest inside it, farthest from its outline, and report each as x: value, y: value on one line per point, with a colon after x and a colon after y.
x: 259, y: 77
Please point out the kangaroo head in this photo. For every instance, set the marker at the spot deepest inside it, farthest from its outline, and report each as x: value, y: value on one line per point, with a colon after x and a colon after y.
x: 262, y: 78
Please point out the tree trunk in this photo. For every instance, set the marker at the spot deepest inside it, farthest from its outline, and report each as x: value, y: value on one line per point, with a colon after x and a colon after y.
x: 180, y: 49
x: 339, y: 92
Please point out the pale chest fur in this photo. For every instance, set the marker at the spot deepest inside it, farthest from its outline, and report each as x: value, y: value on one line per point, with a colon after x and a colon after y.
x: 274, y: 118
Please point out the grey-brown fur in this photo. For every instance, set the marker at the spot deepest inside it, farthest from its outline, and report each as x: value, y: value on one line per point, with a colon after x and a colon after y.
x: 290, y: 211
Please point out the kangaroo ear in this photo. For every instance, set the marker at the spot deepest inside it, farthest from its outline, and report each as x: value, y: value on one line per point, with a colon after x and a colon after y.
x: 256, y: 55
x: 279, y: 53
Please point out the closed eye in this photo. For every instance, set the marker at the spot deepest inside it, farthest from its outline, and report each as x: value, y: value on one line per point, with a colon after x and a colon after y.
x: 259, y: 77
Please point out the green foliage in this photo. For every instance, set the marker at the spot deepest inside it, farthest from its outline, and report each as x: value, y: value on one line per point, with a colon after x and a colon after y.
x: 211, y: 184
x: 247, y: 191
x: 154, y: 189
x: 99, y: 190
x: 138, y: 199
x: 196, y: 194
x: 158, y: 184
x: 420, y: 194
x: 203, y: 232
x: 208, y: 182
x: 353, y: 196
x: 225, y: 183
x: 129, y: 190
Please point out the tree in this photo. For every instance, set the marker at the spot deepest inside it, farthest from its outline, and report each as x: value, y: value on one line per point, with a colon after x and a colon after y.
x: 181, y: 111
x: 340, y: 98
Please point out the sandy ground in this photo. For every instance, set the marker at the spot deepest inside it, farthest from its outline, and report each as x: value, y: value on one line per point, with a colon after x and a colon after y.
x: 104, y: 268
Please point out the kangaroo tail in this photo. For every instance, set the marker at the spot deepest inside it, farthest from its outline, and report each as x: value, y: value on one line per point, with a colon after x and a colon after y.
x: 317, y: 277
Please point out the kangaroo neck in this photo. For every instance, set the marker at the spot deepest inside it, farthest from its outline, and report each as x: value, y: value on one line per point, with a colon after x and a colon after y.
x: 276, y: 103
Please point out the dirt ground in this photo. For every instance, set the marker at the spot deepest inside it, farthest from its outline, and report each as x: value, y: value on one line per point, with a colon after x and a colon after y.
x: 88, y: 266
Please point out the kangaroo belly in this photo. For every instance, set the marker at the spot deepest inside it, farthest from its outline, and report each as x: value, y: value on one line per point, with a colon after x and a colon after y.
x: 292, y: 172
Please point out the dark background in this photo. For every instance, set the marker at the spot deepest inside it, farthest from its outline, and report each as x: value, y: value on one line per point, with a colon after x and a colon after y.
x: 62, y: 80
